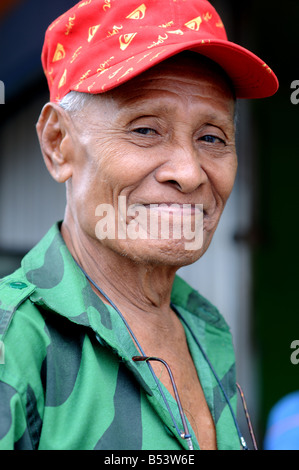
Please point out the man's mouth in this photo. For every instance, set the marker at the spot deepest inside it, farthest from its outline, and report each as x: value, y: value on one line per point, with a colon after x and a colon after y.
x: 175, y: 208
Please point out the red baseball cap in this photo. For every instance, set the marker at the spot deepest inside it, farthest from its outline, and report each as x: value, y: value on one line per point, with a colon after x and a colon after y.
x: 99, y: 44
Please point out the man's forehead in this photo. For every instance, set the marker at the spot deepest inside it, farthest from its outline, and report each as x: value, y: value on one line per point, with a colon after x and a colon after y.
x: 182, y: 72
x: 163, y: 101
x: 179, y: 78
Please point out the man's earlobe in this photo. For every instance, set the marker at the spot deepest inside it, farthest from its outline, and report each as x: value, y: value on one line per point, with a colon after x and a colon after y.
x: 52, y: 130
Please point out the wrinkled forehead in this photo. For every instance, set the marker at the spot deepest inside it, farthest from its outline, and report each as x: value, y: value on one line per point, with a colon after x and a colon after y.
x: 188, y: 74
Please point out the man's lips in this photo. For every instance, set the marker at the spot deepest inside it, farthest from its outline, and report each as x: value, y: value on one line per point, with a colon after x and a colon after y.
x: 183, y: 211
x: 173, y: 207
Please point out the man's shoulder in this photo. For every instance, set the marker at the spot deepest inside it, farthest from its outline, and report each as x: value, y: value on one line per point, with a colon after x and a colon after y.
x: 15, y: 289
x: 23, y: 337
x: 41, y: 268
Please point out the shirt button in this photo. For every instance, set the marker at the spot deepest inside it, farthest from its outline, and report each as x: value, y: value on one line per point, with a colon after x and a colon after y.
x: 17, y: 285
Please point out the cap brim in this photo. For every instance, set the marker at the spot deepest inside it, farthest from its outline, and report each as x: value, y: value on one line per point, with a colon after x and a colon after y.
x: 250, y: 76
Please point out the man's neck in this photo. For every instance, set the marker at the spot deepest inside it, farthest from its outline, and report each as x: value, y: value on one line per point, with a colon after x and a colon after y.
x: 139, y: 290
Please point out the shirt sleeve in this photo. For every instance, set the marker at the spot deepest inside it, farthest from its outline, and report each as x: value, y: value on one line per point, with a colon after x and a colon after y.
x: 14, y: 434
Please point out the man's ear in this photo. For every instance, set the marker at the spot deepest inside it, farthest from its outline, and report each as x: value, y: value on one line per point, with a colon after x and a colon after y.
x: 52, y: 130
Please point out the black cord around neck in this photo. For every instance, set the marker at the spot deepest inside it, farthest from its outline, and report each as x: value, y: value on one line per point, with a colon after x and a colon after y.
x: 241, y: 438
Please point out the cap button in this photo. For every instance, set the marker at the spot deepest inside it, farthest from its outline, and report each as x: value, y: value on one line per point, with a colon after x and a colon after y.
x: 17, y: 285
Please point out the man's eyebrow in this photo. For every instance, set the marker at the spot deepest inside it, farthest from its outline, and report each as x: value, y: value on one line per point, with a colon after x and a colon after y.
x: 220, y: 119
x: 145, y: 105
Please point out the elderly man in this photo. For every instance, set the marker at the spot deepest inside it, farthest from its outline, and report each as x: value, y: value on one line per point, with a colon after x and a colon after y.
x: 105, y: 347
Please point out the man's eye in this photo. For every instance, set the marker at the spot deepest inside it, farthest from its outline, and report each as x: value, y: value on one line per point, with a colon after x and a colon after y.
x: 145, y: 131
x: 211, y: 139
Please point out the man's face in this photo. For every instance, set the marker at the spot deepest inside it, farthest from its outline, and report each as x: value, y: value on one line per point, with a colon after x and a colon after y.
x: 166, y: 137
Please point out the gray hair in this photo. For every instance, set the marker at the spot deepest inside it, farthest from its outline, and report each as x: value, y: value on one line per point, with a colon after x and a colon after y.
x: 75, y: 101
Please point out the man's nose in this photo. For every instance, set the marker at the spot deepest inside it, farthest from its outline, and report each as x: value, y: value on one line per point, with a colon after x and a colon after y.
x: 182, y: 168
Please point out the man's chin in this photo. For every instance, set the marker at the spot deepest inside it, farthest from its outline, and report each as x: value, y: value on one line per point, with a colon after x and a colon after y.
x: 177, y: 253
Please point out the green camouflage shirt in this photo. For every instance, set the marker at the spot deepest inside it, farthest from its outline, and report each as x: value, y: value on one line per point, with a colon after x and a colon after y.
x: 68, y: 380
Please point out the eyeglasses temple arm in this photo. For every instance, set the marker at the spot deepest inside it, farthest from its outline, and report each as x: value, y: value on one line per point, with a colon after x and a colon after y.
x: 185, y: 435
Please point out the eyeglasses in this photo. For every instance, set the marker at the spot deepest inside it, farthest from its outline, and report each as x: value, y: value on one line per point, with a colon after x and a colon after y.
x: 185, y: 434
x: 250, y: 427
